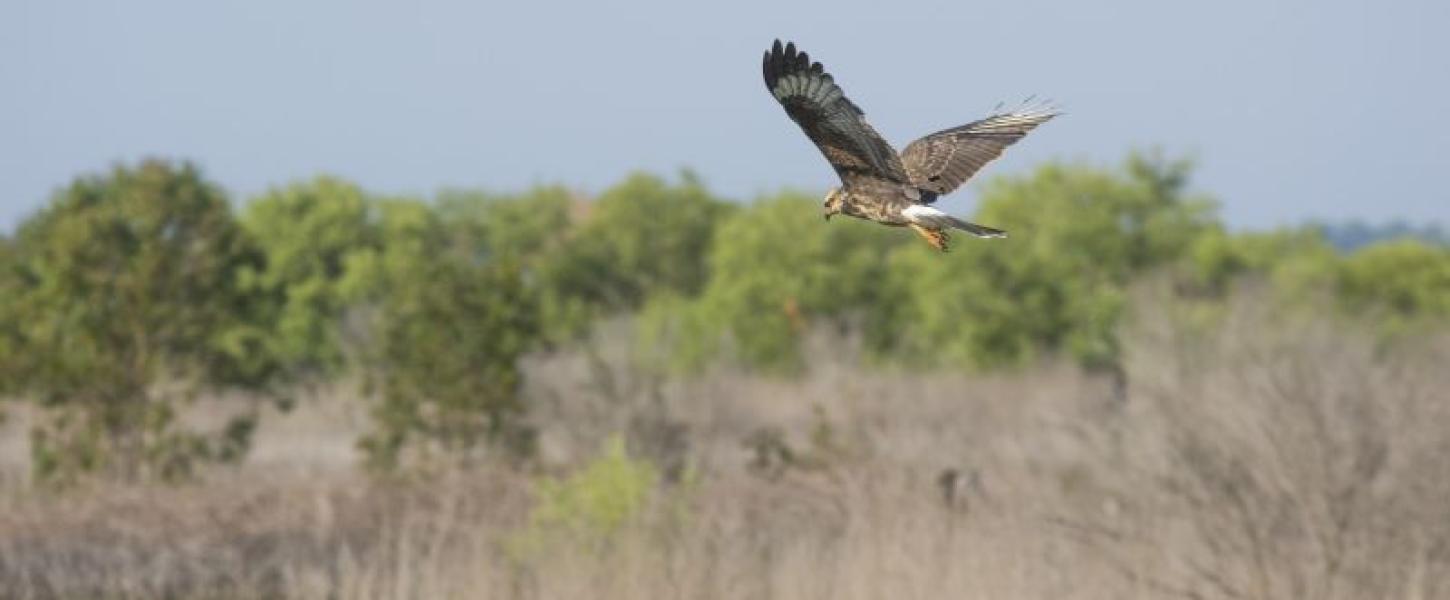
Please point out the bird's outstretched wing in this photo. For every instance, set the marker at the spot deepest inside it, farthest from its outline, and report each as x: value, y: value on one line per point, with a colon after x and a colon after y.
x: 836, y: 125
x: 944, y: 160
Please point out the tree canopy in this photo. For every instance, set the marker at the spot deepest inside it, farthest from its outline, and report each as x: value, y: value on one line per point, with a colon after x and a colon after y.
x: 123, y: 296
x: 136, y: 290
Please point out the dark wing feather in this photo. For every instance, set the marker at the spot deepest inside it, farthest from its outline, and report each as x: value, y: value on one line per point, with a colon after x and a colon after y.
x: 836, y: 125
x: 944, y: 160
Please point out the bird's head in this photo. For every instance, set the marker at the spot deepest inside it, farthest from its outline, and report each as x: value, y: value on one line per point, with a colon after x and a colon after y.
x: 835, y: 199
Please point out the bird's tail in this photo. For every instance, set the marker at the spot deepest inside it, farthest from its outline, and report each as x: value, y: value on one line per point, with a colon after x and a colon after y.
x: 932, y: 218
x: 981, y: 231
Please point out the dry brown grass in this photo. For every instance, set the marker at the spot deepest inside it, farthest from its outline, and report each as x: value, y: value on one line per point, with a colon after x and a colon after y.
x: 1260, y: 459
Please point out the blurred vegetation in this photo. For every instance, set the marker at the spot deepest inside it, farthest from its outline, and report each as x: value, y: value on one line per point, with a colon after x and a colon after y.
x: 1405, y: 284
x: 1081, y: 235
x: 138, y: 289
x: 777, y: 268
x: 590, y: 506
x: 640, y: 239
x: 309, y: 232
x: 448, y: 331
x: 123, y: 299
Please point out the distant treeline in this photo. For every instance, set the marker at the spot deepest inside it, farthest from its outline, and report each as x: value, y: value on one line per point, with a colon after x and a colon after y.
x: 1351, y: 236
x: 142, y: 287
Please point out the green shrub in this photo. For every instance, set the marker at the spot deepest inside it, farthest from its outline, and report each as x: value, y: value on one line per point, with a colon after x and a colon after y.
x: 444, y: 346
x: 642, y: 237
x: 532, y: 230
x: 777, y: 269
x: 122, y: 301
x: 1294, y: 262
x: 1405, y: 284
x: 307, y: 232
x: 1079, y: 235
x: 591, y: 506
x: 528, y: 227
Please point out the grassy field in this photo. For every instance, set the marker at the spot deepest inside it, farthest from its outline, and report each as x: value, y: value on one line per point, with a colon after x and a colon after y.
x: 1253, y: 459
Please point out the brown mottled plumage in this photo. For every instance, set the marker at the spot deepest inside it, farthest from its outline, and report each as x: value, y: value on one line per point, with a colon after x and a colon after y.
x: 878, y: 183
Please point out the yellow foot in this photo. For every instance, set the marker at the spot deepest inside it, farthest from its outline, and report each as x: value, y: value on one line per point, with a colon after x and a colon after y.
x: 937, y: 238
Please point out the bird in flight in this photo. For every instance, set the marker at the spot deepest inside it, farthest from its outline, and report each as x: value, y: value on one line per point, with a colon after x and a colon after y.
x: 878, y: 184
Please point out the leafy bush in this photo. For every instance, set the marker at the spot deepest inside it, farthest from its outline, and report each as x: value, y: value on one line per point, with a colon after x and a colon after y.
x: 307, y: 232
x: 531, y: 230
x: 122, y: 301
x: 448, y: 333
x: 642, y: 237
x: 1405, y: 283
x: 775, y: 270
x: 1078, y: 236
x: 527, y: 227
x: 592, y: 505
x: 1293, y: 261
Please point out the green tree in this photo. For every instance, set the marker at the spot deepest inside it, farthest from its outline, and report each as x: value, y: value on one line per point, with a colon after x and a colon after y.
x: 1294, y: 262
x: 446, y: 338
x: 528, y: 227
x: 308, y: 232
x: 595, y: 503
x: 14, y: 361
x: 122, y: 300
x: 1405, y: 283
x: 776, y: 269
x: 642, y: 237
x: 533, y: 230
x: 1079, y: 235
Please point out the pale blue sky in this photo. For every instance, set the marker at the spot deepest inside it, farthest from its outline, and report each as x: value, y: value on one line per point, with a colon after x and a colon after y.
x: 1296, y: 110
